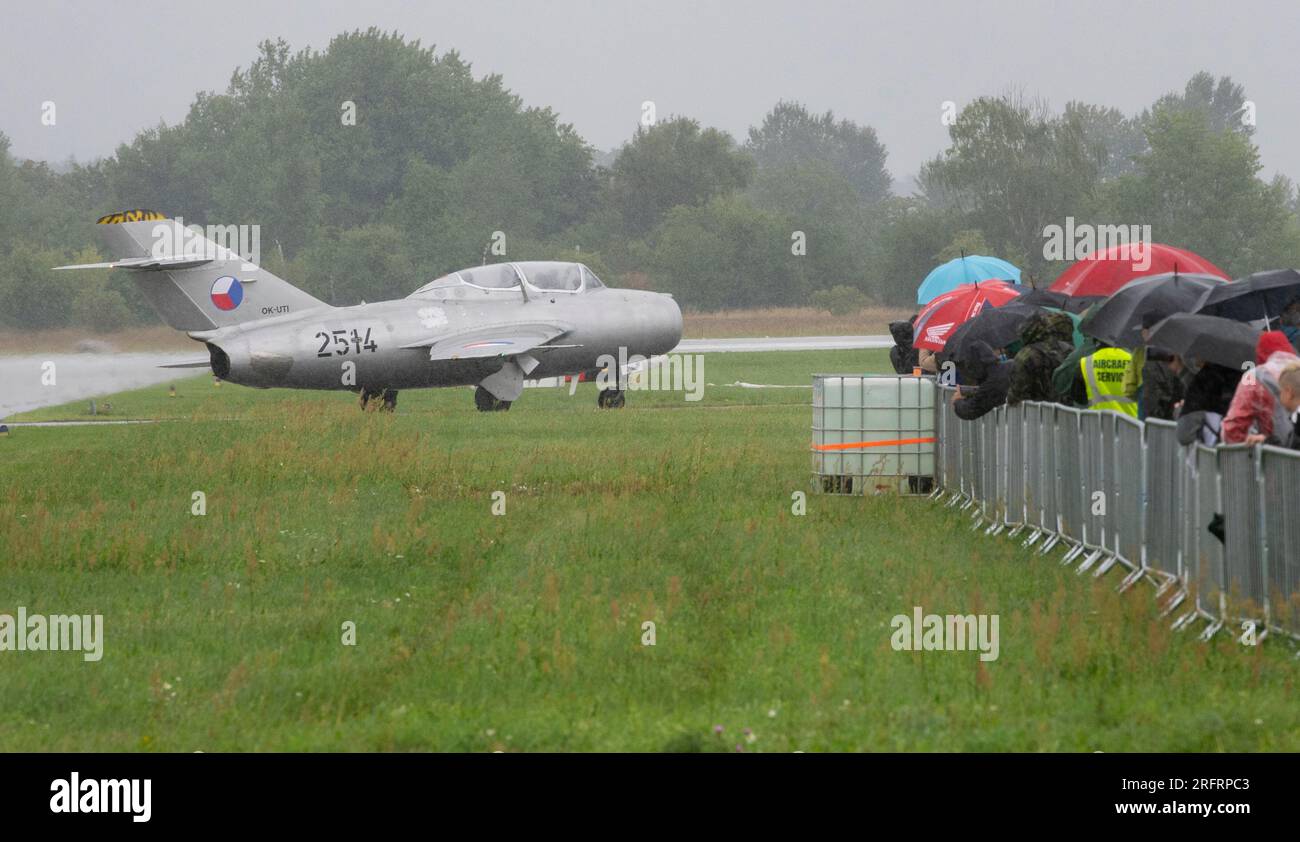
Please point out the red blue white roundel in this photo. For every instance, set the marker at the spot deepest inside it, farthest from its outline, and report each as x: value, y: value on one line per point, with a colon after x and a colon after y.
x: 227, y: 292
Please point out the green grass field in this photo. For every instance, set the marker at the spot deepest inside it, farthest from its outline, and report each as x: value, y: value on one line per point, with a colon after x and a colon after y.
x: 477, y: 632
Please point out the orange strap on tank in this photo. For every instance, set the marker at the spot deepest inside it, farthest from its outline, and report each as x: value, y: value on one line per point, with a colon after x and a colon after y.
x: 864, y: 444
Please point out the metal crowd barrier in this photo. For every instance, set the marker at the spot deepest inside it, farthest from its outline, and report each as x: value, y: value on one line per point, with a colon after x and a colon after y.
x: 1015, y: 461
x: 1205, y: 567
x: 1163, y: 539
x: 1116, y: 491
x: 1281, y: 493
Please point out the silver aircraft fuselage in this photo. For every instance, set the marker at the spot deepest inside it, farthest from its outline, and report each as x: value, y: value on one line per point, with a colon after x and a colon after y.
x: 390, y: 344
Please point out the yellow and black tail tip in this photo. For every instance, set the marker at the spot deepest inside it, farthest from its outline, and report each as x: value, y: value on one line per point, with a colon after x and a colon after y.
x: 137, y: 215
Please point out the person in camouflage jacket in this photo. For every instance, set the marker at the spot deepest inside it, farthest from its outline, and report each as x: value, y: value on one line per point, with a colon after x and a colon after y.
x: 1048, y: 339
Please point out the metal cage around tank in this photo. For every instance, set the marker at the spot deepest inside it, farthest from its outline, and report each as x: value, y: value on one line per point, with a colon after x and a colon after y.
x: 875, y: 433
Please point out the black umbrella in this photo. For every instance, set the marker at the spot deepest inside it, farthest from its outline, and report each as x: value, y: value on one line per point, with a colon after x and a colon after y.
x: 998, y: 326
x: 1118, y: 321
x: 1210, y: 338
x: 1059, y: 300
x: 1263, y: 295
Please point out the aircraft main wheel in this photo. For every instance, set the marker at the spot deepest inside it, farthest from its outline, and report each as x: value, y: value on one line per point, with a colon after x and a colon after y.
x: 610, y: 399
x: 485, y: 401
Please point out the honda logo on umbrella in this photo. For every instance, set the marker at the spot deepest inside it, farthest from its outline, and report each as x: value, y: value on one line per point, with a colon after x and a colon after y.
x: 938, y: 333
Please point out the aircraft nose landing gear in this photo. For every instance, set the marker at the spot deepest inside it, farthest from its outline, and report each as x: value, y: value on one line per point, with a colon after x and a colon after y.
x: 488, y: 402
x: 610, y: 399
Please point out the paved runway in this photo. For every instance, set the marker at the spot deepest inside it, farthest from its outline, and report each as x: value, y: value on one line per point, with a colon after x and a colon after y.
x: 78, y: 376
x: 784, y: 343
x: 85, y: 376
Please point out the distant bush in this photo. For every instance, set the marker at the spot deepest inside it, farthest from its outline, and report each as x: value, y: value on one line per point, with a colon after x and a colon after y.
x: 840, y: 300
x: 101, y: 309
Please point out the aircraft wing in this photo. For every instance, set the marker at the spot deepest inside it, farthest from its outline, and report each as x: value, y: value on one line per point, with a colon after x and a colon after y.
x: 505, y: 340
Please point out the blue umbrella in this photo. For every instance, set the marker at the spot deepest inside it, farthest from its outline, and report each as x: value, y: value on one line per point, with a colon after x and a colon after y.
x: 964, y: 270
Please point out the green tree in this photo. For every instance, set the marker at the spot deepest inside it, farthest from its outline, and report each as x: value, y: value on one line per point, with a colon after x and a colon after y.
x: 32, y: 296
x: 1113, y: 139
x: 913, y: 237
x: 1198, y: 187
x: 1014, y: 168
x: 822, y: 209
x: 791, y: 137
x: 726, y: 254
x: 279, y: 147
x: 673, y: 163
x: 367, y: 263
x: 970, y: 241
x: 1222, y: 101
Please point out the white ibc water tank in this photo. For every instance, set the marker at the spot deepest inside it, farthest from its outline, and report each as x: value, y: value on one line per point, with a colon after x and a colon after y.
x: 873, y: 434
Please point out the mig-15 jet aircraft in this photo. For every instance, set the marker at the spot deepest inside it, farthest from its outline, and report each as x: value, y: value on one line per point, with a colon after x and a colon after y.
x: 491, y: 326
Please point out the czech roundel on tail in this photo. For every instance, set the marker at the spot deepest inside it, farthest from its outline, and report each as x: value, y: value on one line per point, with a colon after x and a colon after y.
x: 490, y: 326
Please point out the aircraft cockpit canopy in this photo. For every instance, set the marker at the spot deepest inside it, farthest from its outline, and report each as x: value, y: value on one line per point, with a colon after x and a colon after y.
x: 543, y: 276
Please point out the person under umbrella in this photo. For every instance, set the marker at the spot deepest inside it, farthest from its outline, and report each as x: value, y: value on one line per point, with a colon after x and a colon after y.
x: 902, y: 356
x: 1123, y: 319
x: 1206, y: 401
x: 1291, y: 322
x: 1269, y: 296
x: 937, y: 320
x: 1258, y: 415
x: 1068, y: 380
x: 1047, y: 342
x: 1135, y: 385
x: 1289, y: 396
x: 1102, y: 373
x: 1164, y: 384
x: 1214, y: 351
x: 990, y: 379
x: 998, y: 327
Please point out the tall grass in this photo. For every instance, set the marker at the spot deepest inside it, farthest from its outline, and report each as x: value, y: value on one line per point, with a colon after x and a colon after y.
x: 524, y: 631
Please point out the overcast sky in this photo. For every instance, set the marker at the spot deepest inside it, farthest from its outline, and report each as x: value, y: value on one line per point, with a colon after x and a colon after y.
x: 114, y: 68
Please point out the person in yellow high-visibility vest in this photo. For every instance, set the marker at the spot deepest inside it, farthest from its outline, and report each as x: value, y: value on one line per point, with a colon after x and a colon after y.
x: 1103, y: 376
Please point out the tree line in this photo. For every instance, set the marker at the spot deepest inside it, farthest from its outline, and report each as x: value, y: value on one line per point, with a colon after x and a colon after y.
x: 439, y: 170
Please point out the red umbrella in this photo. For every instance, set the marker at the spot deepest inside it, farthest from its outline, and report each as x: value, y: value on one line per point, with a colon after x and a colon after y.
x: 936, y: 322
x: 1103, y: 272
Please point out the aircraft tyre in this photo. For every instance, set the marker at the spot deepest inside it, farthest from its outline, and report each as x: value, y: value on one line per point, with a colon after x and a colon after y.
x: 611, y: 399
x: 485, y: 401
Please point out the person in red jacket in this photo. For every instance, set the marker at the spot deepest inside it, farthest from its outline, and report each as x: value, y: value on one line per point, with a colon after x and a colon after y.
x: 1257, y: 414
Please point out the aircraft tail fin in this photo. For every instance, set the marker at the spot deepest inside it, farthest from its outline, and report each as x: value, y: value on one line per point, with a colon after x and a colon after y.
x: 193, y: 279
